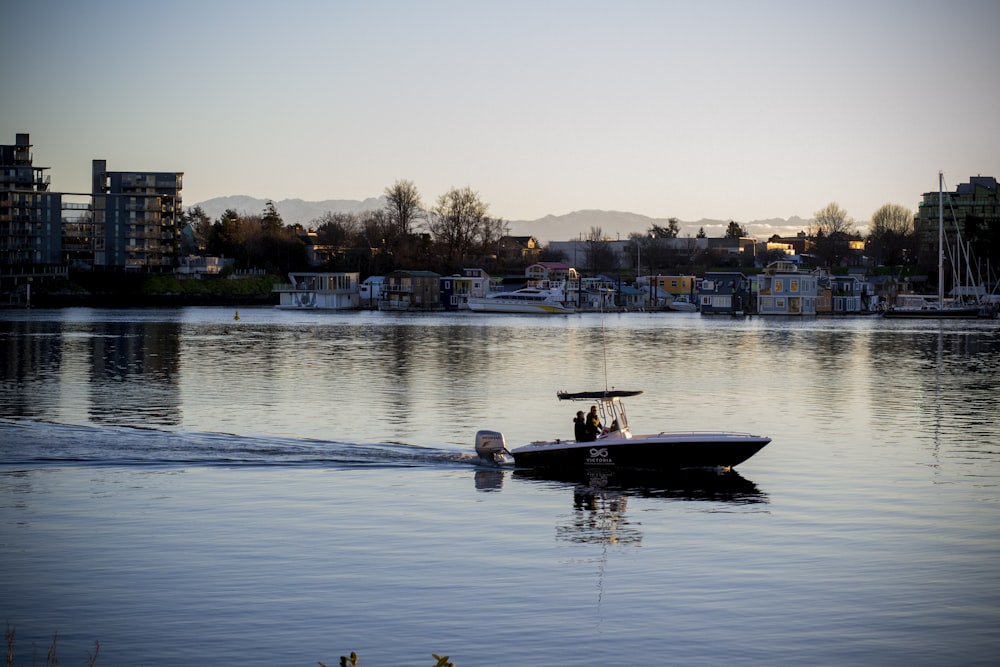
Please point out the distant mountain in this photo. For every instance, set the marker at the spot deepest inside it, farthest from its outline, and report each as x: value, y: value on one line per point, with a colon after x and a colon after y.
x: 619, y: 225
x: 578, y: 224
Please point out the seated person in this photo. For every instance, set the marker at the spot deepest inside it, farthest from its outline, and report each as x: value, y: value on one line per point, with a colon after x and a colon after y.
x: 580, y: 427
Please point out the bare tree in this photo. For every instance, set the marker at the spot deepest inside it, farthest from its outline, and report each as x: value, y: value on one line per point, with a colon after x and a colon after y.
x: 890, y: 234
x: 833, y: 231
x: 338, y: 229
x: 600, y: 257
x: 492, y: 230
x: 403, y: 206
x: 457, y: 222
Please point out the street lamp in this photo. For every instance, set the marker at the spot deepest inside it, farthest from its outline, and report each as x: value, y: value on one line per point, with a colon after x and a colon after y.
x: 652, y: 301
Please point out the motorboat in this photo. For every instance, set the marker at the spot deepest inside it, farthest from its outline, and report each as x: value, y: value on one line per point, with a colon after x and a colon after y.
x: 531, y: 300
x: 617, y: 447
x: 683, y: 304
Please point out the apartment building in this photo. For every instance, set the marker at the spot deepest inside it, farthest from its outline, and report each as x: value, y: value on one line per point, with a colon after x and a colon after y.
x: 137, y: 218
x: 972, y: 209
x: 30, y: 215
x: 130, y: 219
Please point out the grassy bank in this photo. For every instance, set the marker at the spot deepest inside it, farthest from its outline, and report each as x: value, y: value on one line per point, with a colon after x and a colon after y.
x: 124, y: 290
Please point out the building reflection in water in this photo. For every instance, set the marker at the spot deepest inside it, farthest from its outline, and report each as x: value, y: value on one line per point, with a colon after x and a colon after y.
x: 110, y: 372
x: 134, y: 374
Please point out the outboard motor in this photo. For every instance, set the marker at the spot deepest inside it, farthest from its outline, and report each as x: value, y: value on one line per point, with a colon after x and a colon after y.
x: 492, y: 448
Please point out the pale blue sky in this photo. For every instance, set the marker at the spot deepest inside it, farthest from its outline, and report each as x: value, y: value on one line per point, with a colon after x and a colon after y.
x: 716, y: 109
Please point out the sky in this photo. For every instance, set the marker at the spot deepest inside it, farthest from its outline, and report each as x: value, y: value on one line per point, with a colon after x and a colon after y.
x: 717, y: 109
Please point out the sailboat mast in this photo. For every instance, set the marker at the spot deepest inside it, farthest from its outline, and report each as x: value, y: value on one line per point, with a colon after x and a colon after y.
x: 941, y: 238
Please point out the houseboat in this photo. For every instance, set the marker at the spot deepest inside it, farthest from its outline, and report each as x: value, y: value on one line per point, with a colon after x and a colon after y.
x: 319, y: 291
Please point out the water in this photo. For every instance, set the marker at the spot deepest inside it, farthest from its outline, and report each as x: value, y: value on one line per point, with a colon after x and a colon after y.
x: 187, y: 488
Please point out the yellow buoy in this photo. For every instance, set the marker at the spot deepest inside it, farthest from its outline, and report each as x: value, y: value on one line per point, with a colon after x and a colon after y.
x: 237, y: 315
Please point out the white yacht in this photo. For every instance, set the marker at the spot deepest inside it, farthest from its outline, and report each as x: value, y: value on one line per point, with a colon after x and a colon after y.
x: 537, y: 300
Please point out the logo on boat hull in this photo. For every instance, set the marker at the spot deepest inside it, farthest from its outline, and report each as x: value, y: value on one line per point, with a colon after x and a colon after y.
x: 599, y: 456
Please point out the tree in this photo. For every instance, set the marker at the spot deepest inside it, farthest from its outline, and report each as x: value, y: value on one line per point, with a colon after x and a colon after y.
x: 336, y: 229
x: 457, y: 223
x: 270, y: 219
x: 255, y: 243
x: 890, y: 234
x: 376, y: 245
x: 833, y: 231
x: 736, y: 231
x: 200, y: 225
x: 701, y: 233
x: 671, y: 231
x: 600, y: 256
x: 403, y: 206
x: 492, y: 230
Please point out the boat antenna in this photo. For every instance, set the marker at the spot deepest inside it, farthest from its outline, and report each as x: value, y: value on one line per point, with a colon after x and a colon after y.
x: 604, y: 346
x: 941, y: 238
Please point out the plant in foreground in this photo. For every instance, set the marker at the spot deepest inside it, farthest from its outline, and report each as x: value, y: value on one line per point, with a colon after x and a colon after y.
x: 51, y: 658
x: 352, y: 661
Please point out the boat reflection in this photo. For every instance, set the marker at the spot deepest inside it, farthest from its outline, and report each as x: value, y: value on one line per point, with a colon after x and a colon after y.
x: 709, y: 485
x: 589, y: 483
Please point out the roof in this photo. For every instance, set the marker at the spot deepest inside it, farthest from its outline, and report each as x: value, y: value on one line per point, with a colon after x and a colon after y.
x: 416, y: 274
x: 595, y: 395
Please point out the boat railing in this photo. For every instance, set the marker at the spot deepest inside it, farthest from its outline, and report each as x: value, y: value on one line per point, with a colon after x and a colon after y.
x: 699, y: 433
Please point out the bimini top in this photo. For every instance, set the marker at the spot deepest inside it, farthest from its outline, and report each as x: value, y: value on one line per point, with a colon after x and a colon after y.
x: 594, y: 395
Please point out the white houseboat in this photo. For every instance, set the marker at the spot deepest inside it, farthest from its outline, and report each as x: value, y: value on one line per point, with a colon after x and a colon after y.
x: 319, y: 291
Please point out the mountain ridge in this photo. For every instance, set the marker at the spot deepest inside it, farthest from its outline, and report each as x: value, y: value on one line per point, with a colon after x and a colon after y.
x: 575, y: 224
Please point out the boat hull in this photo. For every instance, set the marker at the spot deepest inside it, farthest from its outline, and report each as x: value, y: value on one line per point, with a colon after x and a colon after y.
x: 934, y: 314
x: 667, y: 451
x: 488, y: 305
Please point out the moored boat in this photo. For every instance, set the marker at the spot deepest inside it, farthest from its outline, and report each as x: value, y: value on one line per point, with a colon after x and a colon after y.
x: 915, y: 306
x: 617, y: 447
x: 530, y: 300
x: 683, y: 304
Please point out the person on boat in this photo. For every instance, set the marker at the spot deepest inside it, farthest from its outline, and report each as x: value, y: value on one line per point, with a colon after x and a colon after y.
x: 594, y: 426
x: 580, y: 427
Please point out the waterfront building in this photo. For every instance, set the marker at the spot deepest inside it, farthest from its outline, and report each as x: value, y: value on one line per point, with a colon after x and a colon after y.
x: 137, y: 216
x: 30, y: 215
x: 411, y: 290
x: 554, y: 272
x: 726, y: 293
x: 673, y: 285
x: 850, y: 294
x: 456, y: 290
x: 782, y: 290
x: 370, y: 291
x: 319, y: 291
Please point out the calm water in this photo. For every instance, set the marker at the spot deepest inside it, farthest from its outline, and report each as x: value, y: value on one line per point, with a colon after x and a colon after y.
x: 187, y: 488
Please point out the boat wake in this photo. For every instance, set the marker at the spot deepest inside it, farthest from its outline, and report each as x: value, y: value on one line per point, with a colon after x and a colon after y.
x: 34, y: 443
